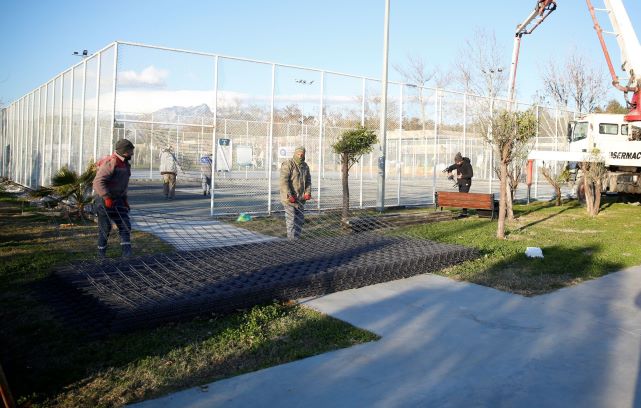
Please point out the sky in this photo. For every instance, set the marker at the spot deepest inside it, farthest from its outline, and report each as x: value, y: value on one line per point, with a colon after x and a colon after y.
x: 39, y: 37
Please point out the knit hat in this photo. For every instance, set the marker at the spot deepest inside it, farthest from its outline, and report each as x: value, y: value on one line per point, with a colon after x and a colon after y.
x: 458, y: 157
x: 299, y: 149
x: 123, y: 145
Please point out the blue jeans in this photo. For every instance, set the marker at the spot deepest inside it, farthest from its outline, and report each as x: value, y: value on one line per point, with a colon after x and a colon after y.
x: 294, y: 220
x: 117, y: 214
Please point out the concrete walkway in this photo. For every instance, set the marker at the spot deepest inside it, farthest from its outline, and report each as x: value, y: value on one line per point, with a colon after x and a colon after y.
x: 188, y: 233
x: 456, y: 344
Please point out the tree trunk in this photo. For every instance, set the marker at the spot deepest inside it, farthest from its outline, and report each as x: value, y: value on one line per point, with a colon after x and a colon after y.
x: 509, y: 199
x: 597, y: 197
x: 500, y: 229
x: 345, y: 181
x: 589, y: 194
x: 557, y: 191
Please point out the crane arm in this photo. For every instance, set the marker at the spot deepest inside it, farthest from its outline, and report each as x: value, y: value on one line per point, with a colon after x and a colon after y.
x: 630, y: 52
x: 541, y: 11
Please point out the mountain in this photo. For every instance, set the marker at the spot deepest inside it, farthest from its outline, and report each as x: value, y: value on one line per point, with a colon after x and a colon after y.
x: 172, y: 113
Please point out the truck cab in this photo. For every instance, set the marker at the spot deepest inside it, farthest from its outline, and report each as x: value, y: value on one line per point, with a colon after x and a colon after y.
x: 617, y: 142
x: 597, y: 130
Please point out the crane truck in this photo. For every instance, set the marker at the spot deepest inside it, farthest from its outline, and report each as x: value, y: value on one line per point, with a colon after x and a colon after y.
x: 616, y: 138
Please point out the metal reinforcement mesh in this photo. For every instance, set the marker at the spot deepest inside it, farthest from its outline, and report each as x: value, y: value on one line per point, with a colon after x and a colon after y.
x: 148, y: 290
x: 186, y: 265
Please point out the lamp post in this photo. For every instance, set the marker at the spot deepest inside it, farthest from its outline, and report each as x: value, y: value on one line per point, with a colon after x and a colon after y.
x: 380, y: 199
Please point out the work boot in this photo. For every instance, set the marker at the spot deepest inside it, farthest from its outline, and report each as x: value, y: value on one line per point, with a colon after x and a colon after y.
x: 126, y: 250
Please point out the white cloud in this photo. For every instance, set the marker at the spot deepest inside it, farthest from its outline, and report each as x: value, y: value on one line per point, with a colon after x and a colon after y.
x: 150, y: 77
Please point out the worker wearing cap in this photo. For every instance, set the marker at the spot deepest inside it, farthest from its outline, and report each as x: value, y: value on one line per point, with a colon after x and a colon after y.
x: 295, y: 190
x: 464, y: 174
x: 110, y: 185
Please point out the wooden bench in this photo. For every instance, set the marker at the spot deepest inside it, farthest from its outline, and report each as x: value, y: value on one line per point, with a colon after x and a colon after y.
x: 486, y: 205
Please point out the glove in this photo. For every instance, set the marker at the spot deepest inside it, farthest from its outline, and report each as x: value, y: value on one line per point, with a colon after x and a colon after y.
x: 450, y: 177
x: 292, y: 199
x: 307, y: 196
x: 109, y: 203
x: 444, y: 170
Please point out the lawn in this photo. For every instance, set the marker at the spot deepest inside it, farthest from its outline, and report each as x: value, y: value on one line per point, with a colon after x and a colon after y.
x: 575, y: 247
x: 50, y: 364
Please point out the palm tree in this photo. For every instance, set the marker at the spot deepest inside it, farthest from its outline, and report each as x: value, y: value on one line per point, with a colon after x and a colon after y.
x: 67, y: 185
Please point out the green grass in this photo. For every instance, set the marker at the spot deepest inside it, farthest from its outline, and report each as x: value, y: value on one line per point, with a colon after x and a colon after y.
x: 575, y: 246
x: 49, y: 364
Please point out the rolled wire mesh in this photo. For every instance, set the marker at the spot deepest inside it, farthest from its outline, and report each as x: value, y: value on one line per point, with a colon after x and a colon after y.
x: 226, y: 263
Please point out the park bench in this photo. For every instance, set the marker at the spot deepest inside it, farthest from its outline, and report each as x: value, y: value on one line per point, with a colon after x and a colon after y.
x: 485, y: 204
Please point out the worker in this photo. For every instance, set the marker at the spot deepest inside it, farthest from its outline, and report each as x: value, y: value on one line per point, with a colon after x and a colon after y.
x: 110, y: 185
x: 464, y: 174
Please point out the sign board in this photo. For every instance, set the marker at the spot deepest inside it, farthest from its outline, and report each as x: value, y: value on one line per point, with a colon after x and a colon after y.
x: 244, y: 156
x: 286, y: 152
x: 223, y: 155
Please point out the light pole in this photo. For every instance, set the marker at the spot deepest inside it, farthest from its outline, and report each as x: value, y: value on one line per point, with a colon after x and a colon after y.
x: 380, y: 199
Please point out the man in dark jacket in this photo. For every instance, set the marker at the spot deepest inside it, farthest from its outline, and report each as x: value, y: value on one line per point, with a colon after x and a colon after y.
x: 110, y: 186
x: 464, y: 174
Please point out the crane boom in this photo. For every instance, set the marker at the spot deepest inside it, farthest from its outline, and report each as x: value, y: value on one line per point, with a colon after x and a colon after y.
x: 630, y: 52
x: 541, y: 11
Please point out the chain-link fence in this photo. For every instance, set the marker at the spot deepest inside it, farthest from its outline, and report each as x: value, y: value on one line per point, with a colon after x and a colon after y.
x: 247, y: 117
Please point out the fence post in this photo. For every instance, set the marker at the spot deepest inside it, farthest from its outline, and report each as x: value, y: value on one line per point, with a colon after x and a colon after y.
x: 73, y: 81
x: 320, y: 139
x: 435, y: 148
x: 536, y: 147
x: 270, y: 140
x: 95, y: 128
x: 465, y: 124
x: 62, y: 101
x: 360, y: 162
x: 212, y: 189
x: 82, y: 113
x: 151, y: 149
x: 399, y: 145
x: 113, y: 108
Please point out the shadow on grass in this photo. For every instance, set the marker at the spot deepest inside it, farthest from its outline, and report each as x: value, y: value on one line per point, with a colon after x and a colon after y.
x: 560, y: 267
x: 48, y: 362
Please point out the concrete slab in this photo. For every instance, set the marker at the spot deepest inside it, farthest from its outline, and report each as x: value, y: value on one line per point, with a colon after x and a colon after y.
x: 186, y: 234
x: 452, y: 344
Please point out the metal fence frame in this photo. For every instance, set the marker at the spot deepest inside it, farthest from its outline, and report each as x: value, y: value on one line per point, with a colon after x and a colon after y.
x: 74, y: 117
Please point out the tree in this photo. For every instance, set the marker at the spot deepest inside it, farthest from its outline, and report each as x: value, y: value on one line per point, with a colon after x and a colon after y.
x: 574, y: 84
x: 67, y: 185
x: 350, y: 146
x: 593, y: 171
x: 505, y: 131
x: 479, y: 66
x: 613, y: 106
x: 556, y: 180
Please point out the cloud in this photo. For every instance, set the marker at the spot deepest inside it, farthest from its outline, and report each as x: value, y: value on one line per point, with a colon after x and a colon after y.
x: 150, y: 77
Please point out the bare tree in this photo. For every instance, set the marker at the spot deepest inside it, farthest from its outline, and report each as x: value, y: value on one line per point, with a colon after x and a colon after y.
x: 574, y: 83
x: 556, y: 179
x: 479, y: 67
x: 418, y: 75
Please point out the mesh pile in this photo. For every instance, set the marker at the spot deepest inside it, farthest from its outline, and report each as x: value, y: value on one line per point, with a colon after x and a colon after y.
x: 123, y: 295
